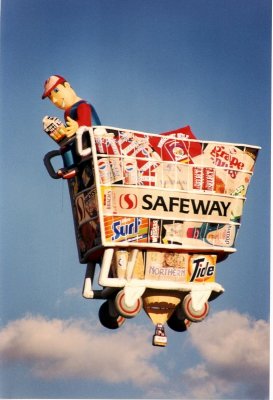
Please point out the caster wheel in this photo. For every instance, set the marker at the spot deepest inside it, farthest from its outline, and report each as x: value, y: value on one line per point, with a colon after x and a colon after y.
x: 123, y: 309
x: 178, y: 324
x: 194, y: 315
x: 107, y: 320
x: 214, y: 295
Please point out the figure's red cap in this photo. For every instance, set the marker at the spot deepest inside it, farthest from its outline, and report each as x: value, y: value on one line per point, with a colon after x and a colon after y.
x: 51, y: 83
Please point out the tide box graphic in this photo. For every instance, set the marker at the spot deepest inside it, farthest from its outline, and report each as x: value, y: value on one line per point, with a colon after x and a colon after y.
x: 201, y: 268
x: 120, y: 229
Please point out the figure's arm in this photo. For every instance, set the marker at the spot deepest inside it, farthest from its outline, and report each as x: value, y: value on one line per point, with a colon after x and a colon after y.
x: 84, y: 115
x: 83, y: 119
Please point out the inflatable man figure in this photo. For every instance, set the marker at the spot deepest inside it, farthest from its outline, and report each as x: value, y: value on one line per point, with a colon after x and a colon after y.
x: 77, y: 111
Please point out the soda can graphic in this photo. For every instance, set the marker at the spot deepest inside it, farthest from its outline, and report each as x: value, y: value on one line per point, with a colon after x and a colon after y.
x: 209, y: 179
x: 99, y: 145
x: 116, y: 169
x: 204, y: 178
x: 197, y: 174
x: 100, y: 134
x: 113, y: 146
x: 131, y: 173
x: 105, y: 171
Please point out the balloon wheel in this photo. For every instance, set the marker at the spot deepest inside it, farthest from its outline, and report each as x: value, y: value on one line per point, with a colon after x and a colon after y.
x: 177, y: 324
x: 192, y: 314
x: 107, y: 320
x: 123, y: 309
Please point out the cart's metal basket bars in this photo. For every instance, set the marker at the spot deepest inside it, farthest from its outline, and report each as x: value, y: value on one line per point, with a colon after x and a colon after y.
x: 156, y: 211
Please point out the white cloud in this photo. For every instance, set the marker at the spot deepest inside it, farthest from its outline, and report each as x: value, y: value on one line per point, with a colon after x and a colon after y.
x: 74, y: 291
x: 235, y: 352
x: 234, y: 361
x: 73, y: 349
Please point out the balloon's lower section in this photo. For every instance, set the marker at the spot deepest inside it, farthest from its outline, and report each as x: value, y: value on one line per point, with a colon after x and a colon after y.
x: 177, y: 295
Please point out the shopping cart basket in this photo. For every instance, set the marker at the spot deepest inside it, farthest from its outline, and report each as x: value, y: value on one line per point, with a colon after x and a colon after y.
x: 156, y: 213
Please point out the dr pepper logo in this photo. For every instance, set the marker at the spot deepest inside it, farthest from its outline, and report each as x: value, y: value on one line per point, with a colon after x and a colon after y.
x: 128, y: 201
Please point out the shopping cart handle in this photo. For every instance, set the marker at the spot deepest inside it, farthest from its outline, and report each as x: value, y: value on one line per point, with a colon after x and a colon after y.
x: 84, y: 152
x: 47, y: 161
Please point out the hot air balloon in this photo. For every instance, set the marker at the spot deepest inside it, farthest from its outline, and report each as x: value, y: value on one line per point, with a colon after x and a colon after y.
x: 154, y: 214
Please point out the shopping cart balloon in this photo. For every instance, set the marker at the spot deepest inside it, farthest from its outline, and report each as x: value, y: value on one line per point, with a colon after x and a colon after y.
x: 153, y: 215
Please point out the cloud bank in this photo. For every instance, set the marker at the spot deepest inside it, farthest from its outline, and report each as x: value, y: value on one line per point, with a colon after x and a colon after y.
x: 74, y: 349
x: 233, y: 350
x: 235, y: 353
x: 234, y: 361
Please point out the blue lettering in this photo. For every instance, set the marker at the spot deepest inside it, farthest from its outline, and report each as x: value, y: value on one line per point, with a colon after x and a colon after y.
x: 122, y: 230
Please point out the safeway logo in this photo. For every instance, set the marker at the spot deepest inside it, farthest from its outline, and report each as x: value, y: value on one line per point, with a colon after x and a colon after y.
x: 128, y: 201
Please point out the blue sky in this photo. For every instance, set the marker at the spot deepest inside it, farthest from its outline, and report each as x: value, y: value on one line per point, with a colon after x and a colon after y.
x: 152, y: 65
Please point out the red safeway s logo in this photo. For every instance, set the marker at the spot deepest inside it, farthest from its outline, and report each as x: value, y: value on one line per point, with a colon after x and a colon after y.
x: 128, y: 201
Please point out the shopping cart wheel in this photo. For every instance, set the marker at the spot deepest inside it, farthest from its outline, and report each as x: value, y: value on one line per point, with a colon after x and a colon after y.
x: 178, y: 322
x: 107, y: 319
x: 215, y: 294
x: 190, y: 313
x: 123, y: 309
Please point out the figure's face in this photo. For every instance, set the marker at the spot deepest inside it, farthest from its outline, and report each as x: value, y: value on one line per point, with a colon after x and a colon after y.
x: 63, y: 96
